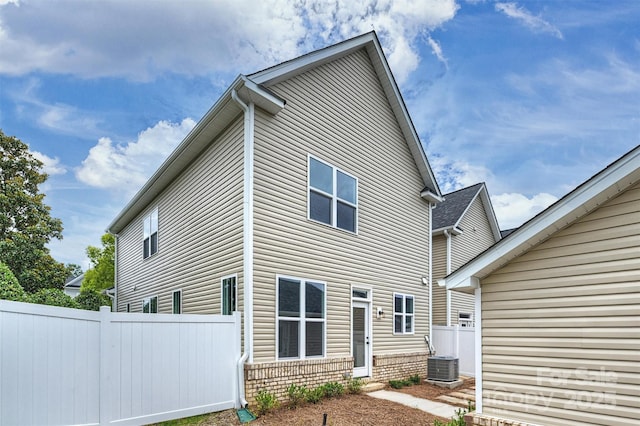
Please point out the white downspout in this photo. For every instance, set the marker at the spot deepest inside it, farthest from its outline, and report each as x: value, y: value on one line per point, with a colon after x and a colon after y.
x: 115, y: 273
x: 430, y: 274
x: 448, y: 292
x: 247, y: 239
x: 478, y: 348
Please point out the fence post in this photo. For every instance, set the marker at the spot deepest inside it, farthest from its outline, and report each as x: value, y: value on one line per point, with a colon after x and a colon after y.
x: 105, y: 360
x: 456, y: 341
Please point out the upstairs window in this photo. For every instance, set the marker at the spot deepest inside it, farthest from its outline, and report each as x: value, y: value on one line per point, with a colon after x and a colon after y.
x: 402, y: 314
x: 229, y: 295
x: 150, y: 242
x: 333, y: 196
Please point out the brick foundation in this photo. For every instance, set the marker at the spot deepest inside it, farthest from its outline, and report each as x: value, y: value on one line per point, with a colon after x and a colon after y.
x: 399, y: 366
x: 473, y: 419
x: 277, y: 376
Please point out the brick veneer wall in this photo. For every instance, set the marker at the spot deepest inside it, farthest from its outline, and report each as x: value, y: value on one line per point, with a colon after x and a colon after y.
x: 276, y: 377
x: 473, y: 419
x: 399, y: 366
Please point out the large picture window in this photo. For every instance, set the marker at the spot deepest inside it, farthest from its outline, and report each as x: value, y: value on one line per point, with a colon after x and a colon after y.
x: 150, y: 241
x: 301, y: 318
x: 403, y: 313
x: 229, y: 295
x: 333, y: 196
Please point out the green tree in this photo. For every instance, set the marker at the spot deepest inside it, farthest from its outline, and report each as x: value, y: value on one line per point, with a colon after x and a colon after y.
x: 53, y: 297
x: 73, y: 270
x: 92, y: 300
x: 26, y: 225
x: 101, y: 275
x: 9, y: 287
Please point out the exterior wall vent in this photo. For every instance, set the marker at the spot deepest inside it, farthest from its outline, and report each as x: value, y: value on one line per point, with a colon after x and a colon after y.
x: 442, y: 368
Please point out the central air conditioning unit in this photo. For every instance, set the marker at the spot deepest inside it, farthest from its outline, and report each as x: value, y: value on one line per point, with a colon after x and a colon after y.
x: 442, y: 368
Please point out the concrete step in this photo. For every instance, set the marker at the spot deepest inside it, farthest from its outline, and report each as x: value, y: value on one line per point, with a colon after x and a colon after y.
x: 463, y: 395
x: 453, y: 400
x: 372, y: 387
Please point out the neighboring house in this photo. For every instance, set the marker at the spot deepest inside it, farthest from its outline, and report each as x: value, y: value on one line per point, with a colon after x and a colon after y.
x: 558, y: 335
x: 302, y: 199
x: 72, y: 286
x: 464, y: 225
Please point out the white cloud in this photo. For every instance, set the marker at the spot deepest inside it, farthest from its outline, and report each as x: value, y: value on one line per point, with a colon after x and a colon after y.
x: 52, y: 166
x: 535, y: 23
x: 133, y: 40
x: 437, y: 50
x: 513, y: 209
x: 127, y: 167
x: 457, y: 174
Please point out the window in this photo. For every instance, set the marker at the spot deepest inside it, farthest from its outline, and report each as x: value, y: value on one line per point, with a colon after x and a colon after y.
x: 150, y: 242
x: 128, y: 307
x: 333, y: 196
x: 301, y: 318
x: 150, y: 305
x: 229, y: 295
x: 402, y: 314
x: 177, y: 302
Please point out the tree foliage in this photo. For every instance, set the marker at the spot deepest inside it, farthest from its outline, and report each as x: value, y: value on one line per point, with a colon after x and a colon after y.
x: 53, y: 297
x: 10, y: 289
x: 101, y: 275
x: 26, y: 225
x: 92, y: 300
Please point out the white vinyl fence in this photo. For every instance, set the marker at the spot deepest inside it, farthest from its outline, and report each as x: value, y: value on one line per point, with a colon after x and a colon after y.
x: 61, y: 366
x: 457, y: 342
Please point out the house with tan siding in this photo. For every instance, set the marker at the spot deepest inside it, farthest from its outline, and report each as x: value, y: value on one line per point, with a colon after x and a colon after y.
x: 558, y: 310
x: 464, y: 225
x: 302, y: 199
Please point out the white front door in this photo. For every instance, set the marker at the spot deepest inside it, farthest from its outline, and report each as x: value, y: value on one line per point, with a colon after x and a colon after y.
x: 361, y: 342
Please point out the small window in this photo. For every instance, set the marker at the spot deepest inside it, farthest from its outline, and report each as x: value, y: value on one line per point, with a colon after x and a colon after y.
x: 301, y: 318
x: 150, y: 241
x: 229, y: 295
x: 128, y: 307
x: 333, y: 196
x: 150, y: 305
x: 403, y: 309
x: 359, y: 293
x: 177, y: 302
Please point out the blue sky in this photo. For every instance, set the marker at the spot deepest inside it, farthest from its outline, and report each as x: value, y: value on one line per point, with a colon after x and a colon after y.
x: 531, y: 97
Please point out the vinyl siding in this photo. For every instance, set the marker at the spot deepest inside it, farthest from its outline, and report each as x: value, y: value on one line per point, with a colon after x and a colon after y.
x: 476, y: 238
x: 339, y: 113
x: 568, y: 307
x: 439, y: 294
x: 199, y: 234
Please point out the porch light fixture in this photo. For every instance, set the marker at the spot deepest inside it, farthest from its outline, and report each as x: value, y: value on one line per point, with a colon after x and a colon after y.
x: 380, y: 313
x: 425, y: 281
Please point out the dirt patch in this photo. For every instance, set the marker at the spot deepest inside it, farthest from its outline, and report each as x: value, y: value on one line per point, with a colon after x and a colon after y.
x: 347, y: 410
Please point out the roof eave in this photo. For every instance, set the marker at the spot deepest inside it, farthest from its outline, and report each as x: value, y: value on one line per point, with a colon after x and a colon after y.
x: 581, y: 201
x: 206, y: 130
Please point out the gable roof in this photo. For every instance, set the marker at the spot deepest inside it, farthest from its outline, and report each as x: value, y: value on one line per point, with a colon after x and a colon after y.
x: 609, y: 182
x: 75, y: 282
x: 449, y: 213
x: 253, y: 88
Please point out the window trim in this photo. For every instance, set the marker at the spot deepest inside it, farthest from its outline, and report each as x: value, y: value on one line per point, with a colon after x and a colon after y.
x: 235, y: 291
x: 149, y: 299
x: 334, y: 196
x: 404, y: 314
x: 302, y: 338
x: 149, y: 216
x: 173, y: 310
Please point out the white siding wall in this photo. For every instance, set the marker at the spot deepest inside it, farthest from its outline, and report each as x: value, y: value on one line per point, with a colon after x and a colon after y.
x: 200, y: 234
x: 339, y: 113
x: 560, y: 324
x: 439, y: 294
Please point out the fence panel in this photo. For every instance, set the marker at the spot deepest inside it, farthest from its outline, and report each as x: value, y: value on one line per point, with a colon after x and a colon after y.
x: 457, y: 342
x: 61, y: 366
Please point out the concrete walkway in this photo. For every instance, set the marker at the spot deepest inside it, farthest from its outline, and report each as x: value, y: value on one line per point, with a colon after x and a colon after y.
x: 438, y: 408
